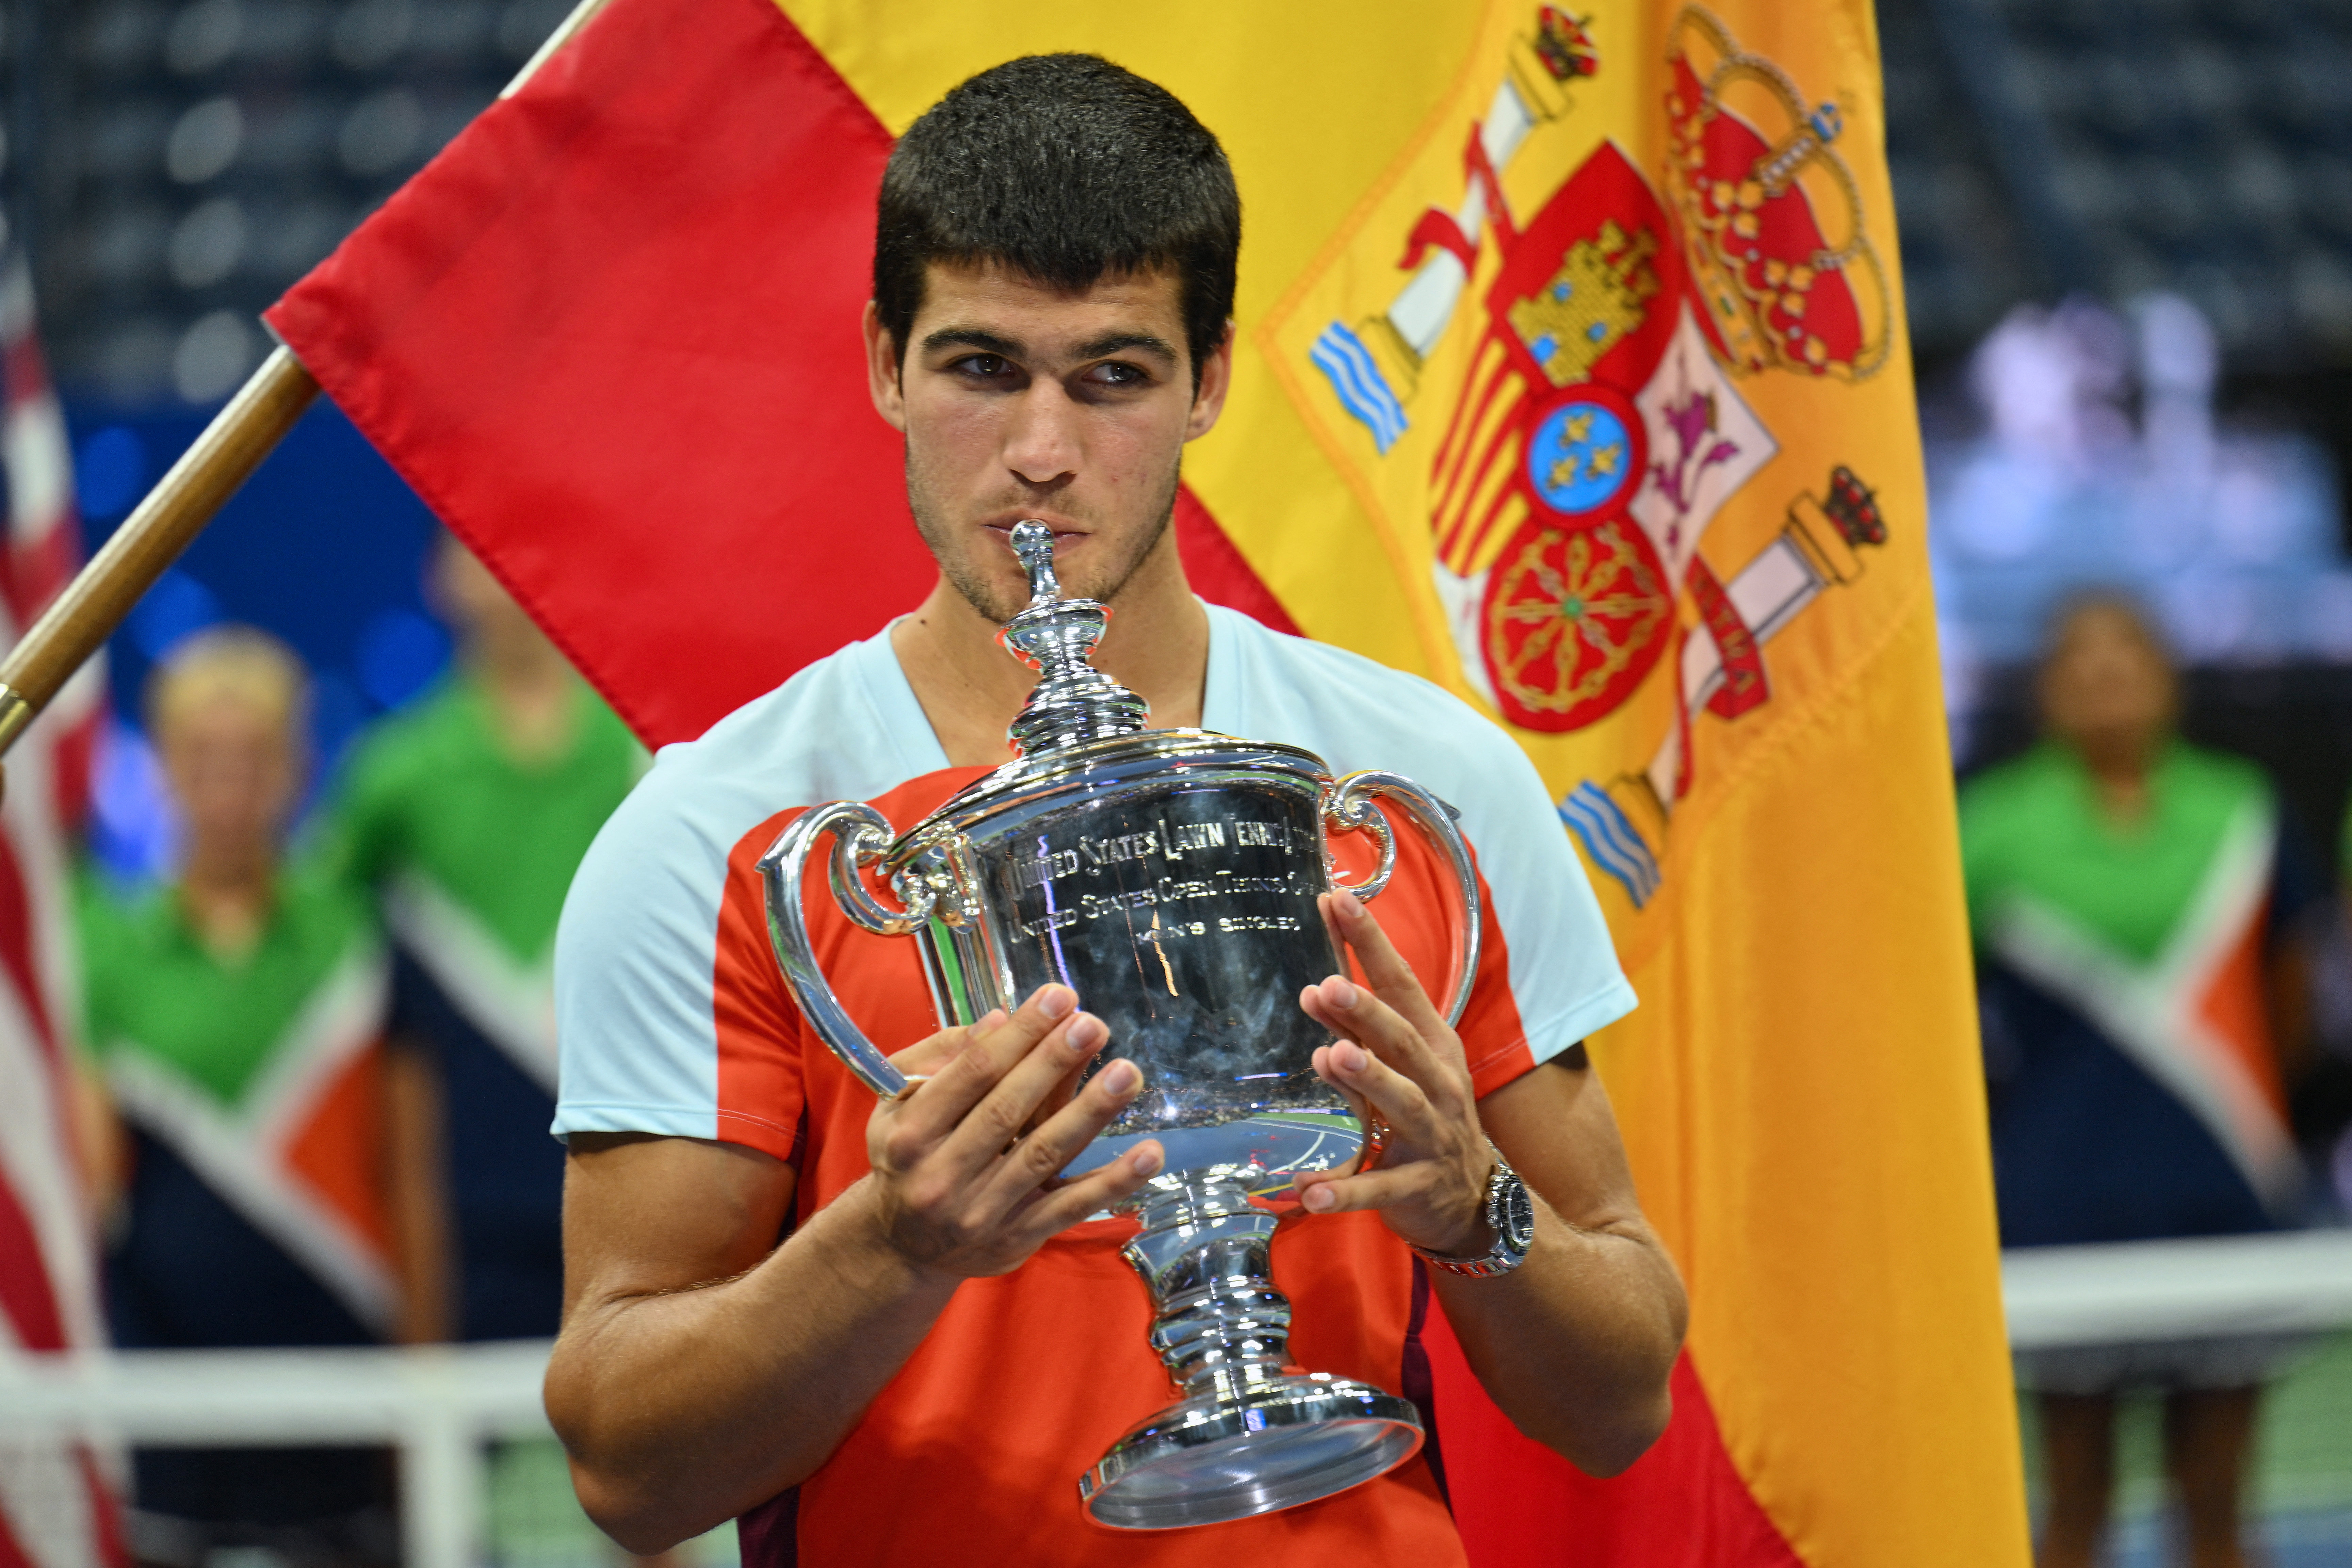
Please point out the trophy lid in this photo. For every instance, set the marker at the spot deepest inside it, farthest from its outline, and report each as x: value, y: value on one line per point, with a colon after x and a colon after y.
x: 1080, y: 730
x: 1073, y: 701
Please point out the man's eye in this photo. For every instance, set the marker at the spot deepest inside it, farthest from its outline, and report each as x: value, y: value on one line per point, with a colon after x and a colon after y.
x: 1115, y: 375
x: 987, y: 367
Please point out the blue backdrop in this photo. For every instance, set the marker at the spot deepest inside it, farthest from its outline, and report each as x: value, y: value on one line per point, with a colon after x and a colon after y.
x: 325, y: 547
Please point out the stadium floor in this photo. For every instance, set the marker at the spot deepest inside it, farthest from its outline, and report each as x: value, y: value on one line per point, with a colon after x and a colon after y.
x: 2302, y: 1485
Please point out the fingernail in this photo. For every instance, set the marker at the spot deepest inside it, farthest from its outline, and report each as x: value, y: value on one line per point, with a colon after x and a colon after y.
x: 1056, y: 1001
x: 994, y: 1019
x: 1086, y: 1033
x: 1350, y: 906
x: 1146, y: 1160
x: 1349, y: 1057
x: 1317, y: 1198
x: 1121, y: 1076
x: 1342, y: 991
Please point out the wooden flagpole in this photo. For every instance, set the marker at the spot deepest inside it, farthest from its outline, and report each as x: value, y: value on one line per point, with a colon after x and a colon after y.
x: 80, y: 620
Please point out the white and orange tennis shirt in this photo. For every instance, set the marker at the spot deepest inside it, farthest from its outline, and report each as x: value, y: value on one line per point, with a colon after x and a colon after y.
x: 673, y: 1020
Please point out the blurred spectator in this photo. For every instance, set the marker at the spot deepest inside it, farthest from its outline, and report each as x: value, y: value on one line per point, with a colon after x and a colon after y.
x: 237, y: 1016
x: 467, y: 816
x: 2124, y: 889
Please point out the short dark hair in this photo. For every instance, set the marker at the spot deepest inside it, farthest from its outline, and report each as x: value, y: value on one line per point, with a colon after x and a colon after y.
x: 1067, y: 169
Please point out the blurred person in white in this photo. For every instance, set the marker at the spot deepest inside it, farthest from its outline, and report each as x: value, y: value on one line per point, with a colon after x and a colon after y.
x: 235, y: 1017
x: 2134, y: 916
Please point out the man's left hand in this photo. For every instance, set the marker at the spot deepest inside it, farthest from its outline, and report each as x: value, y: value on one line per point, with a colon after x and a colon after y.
x: 1397, y: 1057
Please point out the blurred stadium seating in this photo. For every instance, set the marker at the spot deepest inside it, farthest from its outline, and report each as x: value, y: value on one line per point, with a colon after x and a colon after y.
x: 183, y: 159
x: 2112, y: 147
x: 190, y: 160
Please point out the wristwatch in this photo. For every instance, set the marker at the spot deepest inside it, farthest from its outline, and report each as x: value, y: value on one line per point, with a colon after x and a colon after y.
x: 1511, y: 1213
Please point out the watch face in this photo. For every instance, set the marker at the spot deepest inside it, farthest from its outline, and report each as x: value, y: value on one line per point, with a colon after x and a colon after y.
x: 1516, y: 1220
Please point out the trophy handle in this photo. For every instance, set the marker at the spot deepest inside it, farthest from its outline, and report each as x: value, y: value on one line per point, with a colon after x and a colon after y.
x: 860, y: 835
x: 1352, y: 807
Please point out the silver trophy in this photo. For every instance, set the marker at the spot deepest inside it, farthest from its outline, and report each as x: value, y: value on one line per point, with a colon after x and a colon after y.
x: 1170, y: 877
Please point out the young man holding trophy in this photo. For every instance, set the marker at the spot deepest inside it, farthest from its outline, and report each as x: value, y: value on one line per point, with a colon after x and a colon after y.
x: 854, y: 1224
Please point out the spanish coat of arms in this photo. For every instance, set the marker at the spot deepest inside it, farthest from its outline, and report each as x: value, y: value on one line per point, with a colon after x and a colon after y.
x: 1581, y: 369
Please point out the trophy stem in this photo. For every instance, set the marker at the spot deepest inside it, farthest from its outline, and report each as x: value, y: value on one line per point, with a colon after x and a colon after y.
x: 1252, y: 1432
x: 1205, y: 1251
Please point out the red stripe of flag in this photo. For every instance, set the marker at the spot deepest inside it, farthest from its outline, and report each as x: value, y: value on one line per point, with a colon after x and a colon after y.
x: 26, y: 1297
x: 1519, y: 1504
x: 611, y: 336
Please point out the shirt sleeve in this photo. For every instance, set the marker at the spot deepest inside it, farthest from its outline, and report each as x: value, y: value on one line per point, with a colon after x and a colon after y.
x: 1548, y: 972
x: 1549, y: 975
x: 635, y: 953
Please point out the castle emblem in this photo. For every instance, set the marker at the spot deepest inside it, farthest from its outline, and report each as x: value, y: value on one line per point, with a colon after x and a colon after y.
x: 1600, y: 294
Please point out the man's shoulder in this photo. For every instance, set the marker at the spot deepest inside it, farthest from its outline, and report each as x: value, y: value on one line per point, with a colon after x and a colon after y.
x: 661, y: 958
x: 2228, y: 776
x: 818, y: 737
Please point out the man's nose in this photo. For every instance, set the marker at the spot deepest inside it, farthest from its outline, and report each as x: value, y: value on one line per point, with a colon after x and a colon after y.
x: 1042, y: 442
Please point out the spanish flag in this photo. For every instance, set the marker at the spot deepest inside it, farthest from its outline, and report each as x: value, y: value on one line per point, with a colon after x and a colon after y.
x: 1570, y: 373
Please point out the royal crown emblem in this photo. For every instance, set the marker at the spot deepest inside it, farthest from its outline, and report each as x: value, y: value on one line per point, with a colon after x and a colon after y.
x: 1563, y: 45
x: 1777, y: 246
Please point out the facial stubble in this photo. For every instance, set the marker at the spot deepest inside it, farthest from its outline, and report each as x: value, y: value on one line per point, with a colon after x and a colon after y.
x: 953, y: 547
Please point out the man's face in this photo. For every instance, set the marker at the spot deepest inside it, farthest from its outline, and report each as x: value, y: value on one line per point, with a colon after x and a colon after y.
x: 230, y: 759
x: 484, y: 612
x: 1020, y: 401
x: 2105, y: 687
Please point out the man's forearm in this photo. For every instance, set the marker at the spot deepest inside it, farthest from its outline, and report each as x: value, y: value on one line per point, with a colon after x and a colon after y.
x: 1576, y: 1345
x: 681, y: 1409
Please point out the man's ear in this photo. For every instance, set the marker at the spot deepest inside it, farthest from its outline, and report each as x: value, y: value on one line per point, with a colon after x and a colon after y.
x: 883, y: 383
x: 1216, y: 379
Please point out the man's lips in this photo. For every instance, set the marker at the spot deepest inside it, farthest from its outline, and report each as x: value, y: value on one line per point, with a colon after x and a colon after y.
x: 1063, y: 532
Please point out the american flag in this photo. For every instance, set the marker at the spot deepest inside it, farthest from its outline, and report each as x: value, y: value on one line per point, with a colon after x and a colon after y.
x: 56, y: 1509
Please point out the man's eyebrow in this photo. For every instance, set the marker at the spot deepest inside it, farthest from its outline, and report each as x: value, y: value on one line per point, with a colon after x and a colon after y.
x: 1119, y: 342
x: 972, y: 338
x: 989, y: 342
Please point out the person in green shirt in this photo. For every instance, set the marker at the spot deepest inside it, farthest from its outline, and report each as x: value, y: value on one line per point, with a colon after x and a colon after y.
x: 2133, y: 917
x: 464, y: 817
x: 235, y: 1018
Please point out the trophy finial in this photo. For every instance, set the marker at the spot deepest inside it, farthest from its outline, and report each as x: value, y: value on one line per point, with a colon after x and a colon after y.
x: 1034, y: 543
x: 1072, y: 701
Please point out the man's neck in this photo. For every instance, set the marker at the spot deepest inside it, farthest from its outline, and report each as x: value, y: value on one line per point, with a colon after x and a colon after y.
x: 224, y: 891
x: 971, y: 688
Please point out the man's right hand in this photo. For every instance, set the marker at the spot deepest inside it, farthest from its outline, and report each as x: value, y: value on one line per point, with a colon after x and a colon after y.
x: 964, y: 1183
x: 703, y: 1368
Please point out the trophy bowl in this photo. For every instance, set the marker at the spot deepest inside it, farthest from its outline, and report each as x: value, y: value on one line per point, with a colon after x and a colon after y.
x: 1170, y: 879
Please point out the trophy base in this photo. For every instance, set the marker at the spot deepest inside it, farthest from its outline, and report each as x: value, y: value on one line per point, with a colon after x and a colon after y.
x: 1217, y: 1457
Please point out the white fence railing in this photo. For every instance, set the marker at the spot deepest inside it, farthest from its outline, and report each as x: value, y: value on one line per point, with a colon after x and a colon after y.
x: 439, y: 1406
x: 2297, y: 1282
